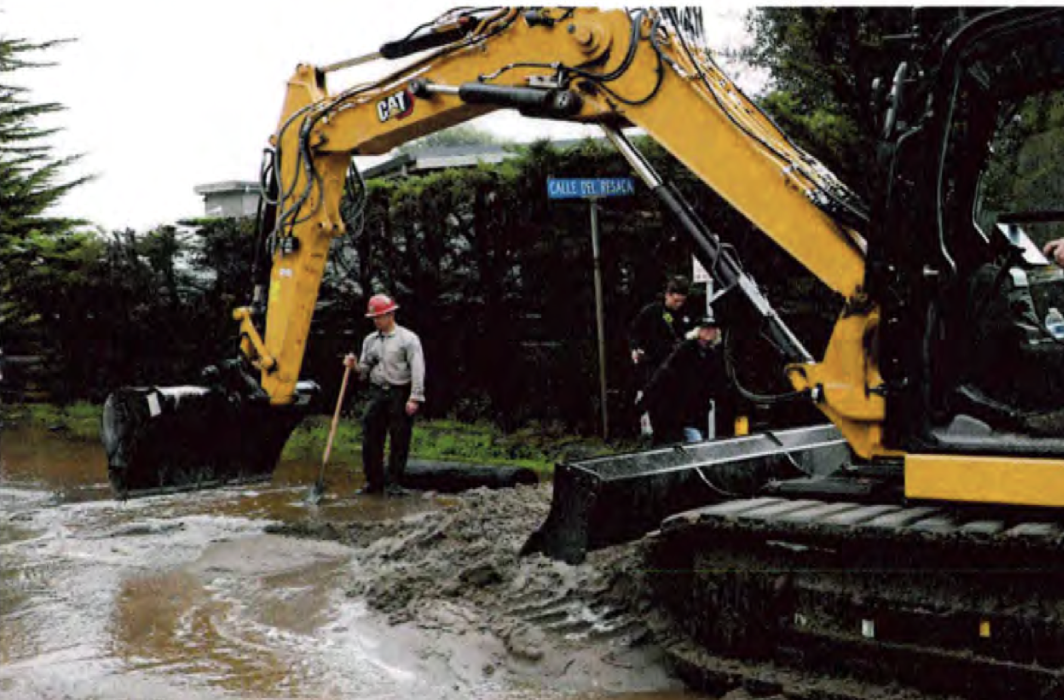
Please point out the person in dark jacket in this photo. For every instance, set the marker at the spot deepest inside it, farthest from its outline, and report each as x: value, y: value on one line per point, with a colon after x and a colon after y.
x: 658, y: 328
x: 679, y: 393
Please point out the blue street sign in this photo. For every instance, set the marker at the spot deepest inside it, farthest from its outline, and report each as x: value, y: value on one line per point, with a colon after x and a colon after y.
x: 589, y: 188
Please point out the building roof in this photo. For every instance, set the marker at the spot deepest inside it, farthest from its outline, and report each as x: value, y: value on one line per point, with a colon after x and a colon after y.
x: 227, y: 187
x: 413, y: 162
x: 422, y: 160
x: 438, y: 157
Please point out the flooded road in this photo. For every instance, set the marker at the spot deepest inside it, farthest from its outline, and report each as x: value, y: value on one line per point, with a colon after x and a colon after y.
x: 187, y: 596
x: 180, y: 596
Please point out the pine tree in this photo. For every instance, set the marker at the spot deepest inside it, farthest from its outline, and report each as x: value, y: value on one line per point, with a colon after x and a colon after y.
x: 40, y: 254
x: 28, y: 169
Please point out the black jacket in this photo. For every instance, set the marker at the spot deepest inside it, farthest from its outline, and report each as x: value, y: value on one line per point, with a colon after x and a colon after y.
x: 657, y: 331
x: 680, y: 390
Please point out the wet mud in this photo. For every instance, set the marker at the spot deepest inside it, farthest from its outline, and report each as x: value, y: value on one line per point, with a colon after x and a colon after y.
x: 455, y: 572
x: 209, y: 595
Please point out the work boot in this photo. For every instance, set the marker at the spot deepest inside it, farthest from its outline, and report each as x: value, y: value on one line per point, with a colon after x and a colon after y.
x: 396, y: 491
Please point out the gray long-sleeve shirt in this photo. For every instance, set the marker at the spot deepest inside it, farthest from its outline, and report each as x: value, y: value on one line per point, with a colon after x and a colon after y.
x: 394, y: 358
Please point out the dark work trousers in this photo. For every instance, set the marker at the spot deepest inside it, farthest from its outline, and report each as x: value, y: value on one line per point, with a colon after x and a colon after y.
x: 385, y: 415
x: 668, y: 427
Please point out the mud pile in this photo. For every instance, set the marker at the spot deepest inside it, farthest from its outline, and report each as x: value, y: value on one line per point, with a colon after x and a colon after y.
x: 454, y: 575
x: 456, y: 571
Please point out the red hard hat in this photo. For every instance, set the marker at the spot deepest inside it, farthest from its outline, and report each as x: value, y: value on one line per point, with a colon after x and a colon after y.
x: 380, y: 304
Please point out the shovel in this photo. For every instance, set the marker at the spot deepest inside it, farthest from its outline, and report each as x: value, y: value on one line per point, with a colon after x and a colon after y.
x: 317, y: 492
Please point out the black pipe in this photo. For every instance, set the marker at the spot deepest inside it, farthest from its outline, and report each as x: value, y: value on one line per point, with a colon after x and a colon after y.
x: 265, y: 220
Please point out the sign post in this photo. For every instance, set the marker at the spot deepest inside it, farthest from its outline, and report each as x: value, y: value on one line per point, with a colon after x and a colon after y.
x: 593, y: 189
x: 599, y: 322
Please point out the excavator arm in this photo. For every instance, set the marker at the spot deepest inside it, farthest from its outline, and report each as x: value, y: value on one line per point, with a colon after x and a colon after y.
x: 611, y: 68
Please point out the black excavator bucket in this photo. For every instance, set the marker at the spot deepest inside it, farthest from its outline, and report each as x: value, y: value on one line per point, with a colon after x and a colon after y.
x: 163, y: 440
x: 609, y: 500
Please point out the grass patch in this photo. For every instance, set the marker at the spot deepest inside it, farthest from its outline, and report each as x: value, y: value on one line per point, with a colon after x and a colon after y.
x: 537, y: 446
x: 79, y: 420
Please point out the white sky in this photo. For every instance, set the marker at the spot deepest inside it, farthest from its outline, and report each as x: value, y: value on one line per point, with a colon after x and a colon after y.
x: 163, y: 96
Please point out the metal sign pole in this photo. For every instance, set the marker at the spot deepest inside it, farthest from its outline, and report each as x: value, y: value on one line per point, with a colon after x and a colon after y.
x: 592, y: 189
x: 600, y: 323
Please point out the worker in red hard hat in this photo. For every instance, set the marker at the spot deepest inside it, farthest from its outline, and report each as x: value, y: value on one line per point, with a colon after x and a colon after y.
x: 394, y: 364
x: 381, y: 305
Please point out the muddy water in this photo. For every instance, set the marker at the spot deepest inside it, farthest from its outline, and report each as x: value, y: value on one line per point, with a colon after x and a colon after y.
x: 177, y: 596
x: 186, y: 596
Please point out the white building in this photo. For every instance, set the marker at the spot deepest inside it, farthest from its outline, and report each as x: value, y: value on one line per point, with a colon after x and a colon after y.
x: 230, y: 199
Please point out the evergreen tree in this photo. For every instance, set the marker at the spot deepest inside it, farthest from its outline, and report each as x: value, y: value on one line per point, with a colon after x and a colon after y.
x: 29, y: 171
x: 31, y: 241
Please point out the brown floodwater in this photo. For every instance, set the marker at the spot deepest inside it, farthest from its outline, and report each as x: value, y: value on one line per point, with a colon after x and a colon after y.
x: 186, y: 596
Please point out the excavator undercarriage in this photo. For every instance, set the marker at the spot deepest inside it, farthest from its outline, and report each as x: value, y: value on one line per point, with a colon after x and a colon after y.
x: 949, y: 601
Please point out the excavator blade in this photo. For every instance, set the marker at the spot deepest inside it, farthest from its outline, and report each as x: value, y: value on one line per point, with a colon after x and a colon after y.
x: 609, y: 500
x: 168, y: 439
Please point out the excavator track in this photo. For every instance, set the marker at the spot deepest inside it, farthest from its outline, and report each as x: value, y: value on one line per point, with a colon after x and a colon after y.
x: 950, y: 601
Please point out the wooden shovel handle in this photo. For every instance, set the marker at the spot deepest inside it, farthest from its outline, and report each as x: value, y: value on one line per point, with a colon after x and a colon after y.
x: 336, y: 415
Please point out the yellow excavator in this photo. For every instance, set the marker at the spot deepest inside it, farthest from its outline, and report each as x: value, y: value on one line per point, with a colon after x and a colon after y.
x: 912, y: 539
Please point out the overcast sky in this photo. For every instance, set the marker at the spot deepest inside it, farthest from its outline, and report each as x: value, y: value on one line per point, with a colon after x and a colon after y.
x: 163, y: 96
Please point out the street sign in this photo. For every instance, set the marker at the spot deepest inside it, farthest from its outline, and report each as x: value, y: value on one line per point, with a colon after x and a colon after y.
x: 589, y: 188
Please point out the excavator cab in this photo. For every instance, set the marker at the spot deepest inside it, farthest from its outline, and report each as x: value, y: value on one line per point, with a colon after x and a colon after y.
x: 969, y: 174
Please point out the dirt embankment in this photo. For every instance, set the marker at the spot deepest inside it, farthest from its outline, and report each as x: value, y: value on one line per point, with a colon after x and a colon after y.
x: 456, y: 572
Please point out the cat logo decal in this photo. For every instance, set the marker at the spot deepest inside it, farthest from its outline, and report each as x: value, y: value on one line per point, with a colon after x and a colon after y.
x: 395, y: 106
